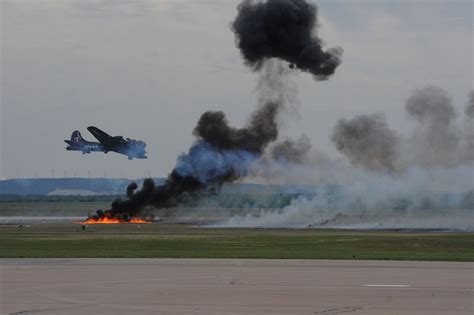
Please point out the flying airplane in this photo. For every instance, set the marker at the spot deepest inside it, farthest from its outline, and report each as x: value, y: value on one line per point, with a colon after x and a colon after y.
x: 128, y: 147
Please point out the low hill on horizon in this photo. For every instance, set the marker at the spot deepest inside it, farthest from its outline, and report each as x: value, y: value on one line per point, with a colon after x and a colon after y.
x: 70, y: 186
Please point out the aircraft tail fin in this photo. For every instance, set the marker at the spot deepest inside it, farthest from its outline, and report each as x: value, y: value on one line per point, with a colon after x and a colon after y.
x: 76, y: 137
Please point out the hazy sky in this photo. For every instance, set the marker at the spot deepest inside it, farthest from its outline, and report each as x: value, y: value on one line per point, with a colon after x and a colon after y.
x: 148, y: 69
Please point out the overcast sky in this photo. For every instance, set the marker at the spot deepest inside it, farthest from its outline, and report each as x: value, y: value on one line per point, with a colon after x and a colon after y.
x: 148, y: 69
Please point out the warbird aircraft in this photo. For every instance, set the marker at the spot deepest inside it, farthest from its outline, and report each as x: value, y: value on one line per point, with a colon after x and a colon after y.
x: 128, y: 147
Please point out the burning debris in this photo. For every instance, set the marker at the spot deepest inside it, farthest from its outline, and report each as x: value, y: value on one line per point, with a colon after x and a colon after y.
x: 106, y: 220
x: 272, y: 29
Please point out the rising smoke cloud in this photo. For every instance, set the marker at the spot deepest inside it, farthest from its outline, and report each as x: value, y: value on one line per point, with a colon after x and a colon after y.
x: 223, y: 153
x: 431, y: 105
x: 367, y: 141
x: 436, y: 140
x: 213, y: 128
x: 284, y: 29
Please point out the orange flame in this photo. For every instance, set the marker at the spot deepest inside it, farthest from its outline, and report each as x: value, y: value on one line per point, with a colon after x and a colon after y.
x: 106, y: 220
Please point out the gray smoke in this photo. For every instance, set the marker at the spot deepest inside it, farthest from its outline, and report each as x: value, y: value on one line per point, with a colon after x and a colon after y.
x: 437, y: 140
x: 469, y: 111
x: 468, y: 140
x: 432, y: 106
x: 293, y: 151
x: 371, y: 201
x: 367, y: 141
x: 274, y: 85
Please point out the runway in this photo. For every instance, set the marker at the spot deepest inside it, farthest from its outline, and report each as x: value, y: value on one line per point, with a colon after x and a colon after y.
x: 234, y: 286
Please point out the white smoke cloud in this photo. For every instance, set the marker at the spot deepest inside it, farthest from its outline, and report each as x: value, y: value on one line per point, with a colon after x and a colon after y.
x: 433, y: 186
x: 417, y: 199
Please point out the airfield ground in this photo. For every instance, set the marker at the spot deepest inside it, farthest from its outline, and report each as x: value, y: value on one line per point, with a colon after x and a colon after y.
x: 234, y: 286
x: 158, y: 240
x: 75, y: 275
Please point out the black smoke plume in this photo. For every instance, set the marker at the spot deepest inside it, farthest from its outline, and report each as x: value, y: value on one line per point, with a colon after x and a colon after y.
x: 284, y: 29
x: 220, y: 154
x: 214, y: 129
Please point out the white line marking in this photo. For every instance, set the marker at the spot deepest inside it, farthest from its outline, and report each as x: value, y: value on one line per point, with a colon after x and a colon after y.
x: 388, y: 285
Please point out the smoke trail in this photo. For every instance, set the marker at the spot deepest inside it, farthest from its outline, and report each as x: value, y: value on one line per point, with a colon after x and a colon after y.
x: 274, y: 85
x: 367, y: 141
x: 283, y: 29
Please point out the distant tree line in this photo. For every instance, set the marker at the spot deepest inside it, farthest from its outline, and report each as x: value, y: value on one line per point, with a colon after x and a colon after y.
x: 56, y: 198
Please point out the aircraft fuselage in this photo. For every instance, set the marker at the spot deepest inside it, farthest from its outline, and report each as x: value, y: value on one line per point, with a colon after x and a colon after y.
x: 129, y: 147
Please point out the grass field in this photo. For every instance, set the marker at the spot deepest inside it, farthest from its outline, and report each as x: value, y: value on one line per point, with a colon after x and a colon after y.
x: 60, y: 240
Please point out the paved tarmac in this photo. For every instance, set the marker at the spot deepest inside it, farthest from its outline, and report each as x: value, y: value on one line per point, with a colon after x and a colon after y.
x: 233, y: 286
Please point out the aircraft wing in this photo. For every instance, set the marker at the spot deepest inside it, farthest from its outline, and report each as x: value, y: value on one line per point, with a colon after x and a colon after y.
x: 103, y: 137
